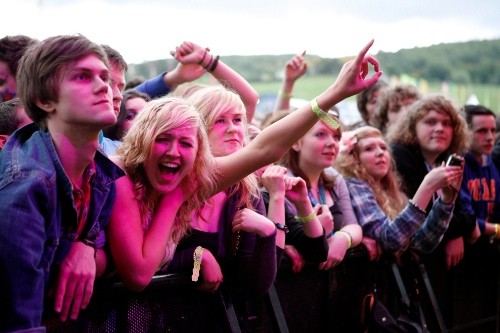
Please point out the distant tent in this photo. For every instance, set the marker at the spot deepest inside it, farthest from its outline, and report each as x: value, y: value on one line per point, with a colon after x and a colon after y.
x: 472, y: 100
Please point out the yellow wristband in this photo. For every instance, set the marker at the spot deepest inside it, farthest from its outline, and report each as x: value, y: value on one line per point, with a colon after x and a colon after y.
x: 347, y: 236
x: 283, y: 94
x: 307, y: 218
x: 197, y: 258
x: 323, y: 115
x: 496, y: 231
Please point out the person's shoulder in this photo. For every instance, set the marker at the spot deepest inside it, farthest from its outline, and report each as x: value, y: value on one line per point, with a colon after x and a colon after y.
x: 108, y: 169
x: 27, y: 153
x: 330, y: 171
x: 351, y: 182
x: 398, y: 147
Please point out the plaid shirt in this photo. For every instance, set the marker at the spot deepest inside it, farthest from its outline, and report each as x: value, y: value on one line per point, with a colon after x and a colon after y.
x: 411, y: 228
x: 82, y: 198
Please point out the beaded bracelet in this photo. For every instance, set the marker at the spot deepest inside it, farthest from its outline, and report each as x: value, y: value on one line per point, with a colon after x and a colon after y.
x: 323, y: 115
x: 197, y: 258
x: 307, y: 218
x: 347, y: 236
x: 411, y: 202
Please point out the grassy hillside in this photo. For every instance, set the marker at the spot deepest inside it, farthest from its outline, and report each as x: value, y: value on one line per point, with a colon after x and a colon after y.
x: 457, y: 69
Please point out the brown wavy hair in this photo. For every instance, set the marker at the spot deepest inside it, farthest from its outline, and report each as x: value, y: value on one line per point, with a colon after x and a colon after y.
x: 404, y: 130
x: 387, y: 191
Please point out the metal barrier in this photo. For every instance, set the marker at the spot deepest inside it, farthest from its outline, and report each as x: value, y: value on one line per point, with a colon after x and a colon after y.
x: 310, y: 301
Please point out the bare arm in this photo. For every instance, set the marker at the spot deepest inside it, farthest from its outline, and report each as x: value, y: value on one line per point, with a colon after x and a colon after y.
x: 295, y: 68
x: 137, y: 253
x: 274, y: 141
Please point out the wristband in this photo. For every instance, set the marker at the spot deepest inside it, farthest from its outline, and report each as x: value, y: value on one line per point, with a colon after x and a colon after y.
x: 307, y: 218
x: 197, y: 258
x: 497, y: 231
x: 332, y: 123
x: 347, y: 236
x: 214, y: 65
x: 283, y: 94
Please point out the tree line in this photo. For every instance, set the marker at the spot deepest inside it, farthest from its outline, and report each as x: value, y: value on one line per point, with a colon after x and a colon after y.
x: 473, y: 62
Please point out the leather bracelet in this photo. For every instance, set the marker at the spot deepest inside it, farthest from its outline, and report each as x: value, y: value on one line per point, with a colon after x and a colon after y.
x: 204, y: 55
x: 214, y: 65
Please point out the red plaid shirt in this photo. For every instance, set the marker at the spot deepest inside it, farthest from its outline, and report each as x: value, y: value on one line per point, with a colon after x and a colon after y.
x: 82, y: 198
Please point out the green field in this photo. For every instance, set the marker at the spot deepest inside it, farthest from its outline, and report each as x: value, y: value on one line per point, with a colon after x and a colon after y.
x: 309, y: 87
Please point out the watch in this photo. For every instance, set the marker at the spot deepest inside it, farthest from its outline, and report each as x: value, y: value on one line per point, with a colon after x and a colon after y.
x: 280, y: 226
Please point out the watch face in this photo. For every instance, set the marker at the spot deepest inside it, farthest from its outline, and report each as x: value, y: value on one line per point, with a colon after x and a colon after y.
x: 280, y: 226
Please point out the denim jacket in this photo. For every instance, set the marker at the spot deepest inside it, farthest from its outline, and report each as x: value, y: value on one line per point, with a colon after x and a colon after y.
x: 38, y: 221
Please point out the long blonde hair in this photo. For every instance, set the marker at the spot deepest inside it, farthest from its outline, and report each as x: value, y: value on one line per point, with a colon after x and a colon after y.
x: 387, y: 192
x: 157, y: 117
x: 211, y: 102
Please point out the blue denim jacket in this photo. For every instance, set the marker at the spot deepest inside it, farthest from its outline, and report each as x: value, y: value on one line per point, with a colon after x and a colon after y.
x: 38, y: 221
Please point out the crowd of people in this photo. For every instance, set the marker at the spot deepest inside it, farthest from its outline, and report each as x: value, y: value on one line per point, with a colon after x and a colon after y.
x: 100, y: 179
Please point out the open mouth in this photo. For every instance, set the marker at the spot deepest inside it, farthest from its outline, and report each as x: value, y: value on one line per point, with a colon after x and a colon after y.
x: 169, y: 168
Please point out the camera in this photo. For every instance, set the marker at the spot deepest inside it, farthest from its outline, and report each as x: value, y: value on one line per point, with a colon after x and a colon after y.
x: 454, y: 160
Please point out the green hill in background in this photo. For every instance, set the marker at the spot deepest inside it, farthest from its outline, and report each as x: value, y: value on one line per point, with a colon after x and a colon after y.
x: 456, y: 69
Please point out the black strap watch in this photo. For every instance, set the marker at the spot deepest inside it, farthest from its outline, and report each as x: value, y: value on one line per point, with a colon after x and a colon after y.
x: 280, y: 226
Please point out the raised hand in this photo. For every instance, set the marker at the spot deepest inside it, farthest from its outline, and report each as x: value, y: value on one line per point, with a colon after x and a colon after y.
x: 352, y: 78
x: 296, y: 190
x: 295, y: 68
x: 189, y: 53
x: 447, y: 179
x: 273, y: 179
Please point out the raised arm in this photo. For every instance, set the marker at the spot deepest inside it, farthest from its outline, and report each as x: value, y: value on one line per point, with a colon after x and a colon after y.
x: 274, y: 141
x: 295, y: 68
x: 189, y: 53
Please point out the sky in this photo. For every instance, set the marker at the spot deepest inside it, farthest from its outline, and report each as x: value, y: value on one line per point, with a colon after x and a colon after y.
x: 149, y: 29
